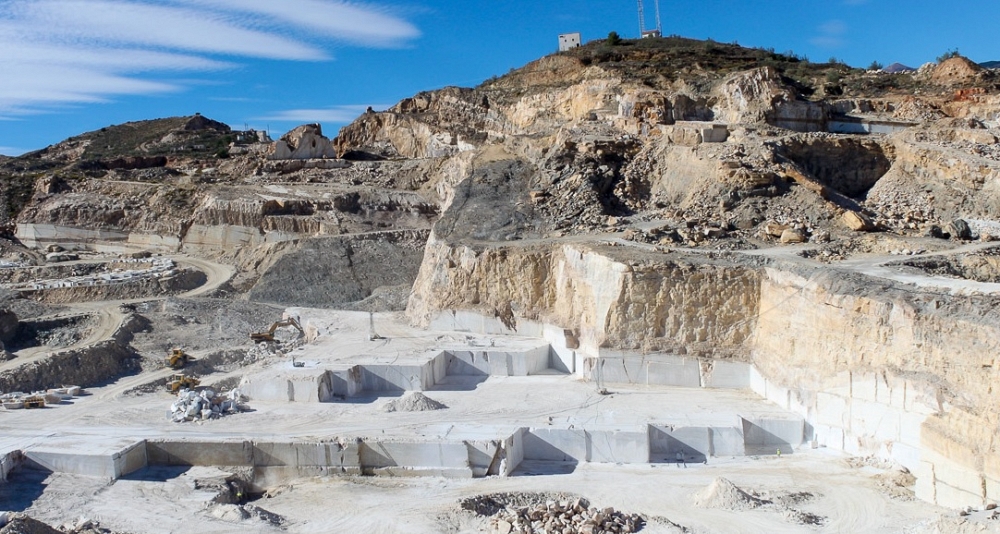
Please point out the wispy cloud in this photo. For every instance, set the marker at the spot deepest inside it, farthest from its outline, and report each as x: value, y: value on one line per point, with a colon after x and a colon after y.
x: 11, y: 151
x: 332, y: 115
x: 59, y: 52
x: 831, y: 35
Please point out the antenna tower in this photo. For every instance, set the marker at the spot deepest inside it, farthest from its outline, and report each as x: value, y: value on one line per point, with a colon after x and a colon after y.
x: 659, y: 30
x: 642, y: 19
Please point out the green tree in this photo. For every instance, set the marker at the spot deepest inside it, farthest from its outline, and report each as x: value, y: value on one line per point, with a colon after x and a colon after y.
x: 875, y: 66
x: 614, y: 39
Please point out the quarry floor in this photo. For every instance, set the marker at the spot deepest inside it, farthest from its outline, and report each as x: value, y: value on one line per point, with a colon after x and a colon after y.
x: 845, y: 495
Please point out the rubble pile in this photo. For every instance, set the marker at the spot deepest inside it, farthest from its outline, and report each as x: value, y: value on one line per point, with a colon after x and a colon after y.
x: 413, y: 402
x: 205, y: 404
x: 264, y: 350
x: 568, y: 516
x: 84, y: 525
x: 723, y: 494
x: 23, y: 524
x: 235, y: 513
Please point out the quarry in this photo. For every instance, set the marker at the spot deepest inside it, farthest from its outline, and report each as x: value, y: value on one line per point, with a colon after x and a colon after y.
x: 661, y: 286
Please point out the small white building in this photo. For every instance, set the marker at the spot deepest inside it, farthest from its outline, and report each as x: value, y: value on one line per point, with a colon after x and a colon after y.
x: 568, y: 41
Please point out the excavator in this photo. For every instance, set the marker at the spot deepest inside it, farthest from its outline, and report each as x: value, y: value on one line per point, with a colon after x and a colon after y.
x: 176, y: 359
x: 259, y: 337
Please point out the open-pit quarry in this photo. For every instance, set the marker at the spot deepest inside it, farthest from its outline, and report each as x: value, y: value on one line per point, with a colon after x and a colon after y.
x: 643, y: 290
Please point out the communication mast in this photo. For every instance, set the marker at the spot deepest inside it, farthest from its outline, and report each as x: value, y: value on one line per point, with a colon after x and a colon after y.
x: 642, y: 20
x: 643, y: 32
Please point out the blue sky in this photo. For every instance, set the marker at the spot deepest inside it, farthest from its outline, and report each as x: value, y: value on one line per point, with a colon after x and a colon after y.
x: 71, y: 66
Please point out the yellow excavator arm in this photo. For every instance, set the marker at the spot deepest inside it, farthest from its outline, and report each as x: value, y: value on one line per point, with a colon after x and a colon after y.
x: 258, y: 337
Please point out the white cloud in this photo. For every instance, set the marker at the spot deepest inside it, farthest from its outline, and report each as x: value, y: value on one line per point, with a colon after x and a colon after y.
x: 58, y: 52
x: 831, y: 34
x: 12, y: 151
x: 332, y: 115
x: 352, y: 22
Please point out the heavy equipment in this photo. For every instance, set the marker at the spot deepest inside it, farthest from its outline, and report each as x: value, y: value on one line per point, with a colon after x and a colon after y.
x: 176, y: 359
x: 179, y: 381
x: 34, y: 401
x: 259, y: 337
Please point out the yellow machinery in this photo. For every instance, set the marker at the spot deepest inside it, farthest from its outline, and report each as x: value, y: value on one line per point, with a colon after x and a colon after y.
x: 259, y: 337
x: 179, y: 381
x: 34, y: 401
x: 177, y: 359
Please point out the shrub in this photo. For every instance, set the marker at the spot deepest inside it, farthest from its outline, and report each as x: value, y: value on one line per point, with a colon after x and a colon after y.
x: 875, y: 66
x: 948, y: 55
x: 614, y: 39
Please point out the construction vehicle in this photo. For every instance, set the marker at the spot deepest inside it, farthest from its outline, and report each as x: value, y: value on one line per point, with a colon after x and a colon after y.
x: 260, y: 337
x: 34, y: 401
x: 177, y: 359
x: 179, y: 381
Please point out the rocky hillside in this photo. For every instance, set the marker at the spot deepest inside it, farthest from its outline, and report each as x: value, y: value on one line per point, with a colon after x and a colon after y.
x: 673, y: 195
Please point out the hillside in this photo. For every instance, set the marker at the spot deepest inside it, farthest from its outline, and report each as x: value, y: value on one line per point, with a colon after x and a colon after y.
x: 829, y: 228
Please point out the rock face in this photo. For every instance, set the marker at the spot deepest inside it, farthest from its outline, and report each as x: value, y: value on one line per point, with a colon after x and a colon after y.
x: 342, y: 271
x: 8, y: 326
x: 610, y: 301
x: 303, y: 142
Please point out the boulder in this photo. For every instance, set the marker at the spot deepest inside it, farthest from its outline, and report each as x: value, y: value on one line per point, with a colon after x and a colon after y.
x: 775, y: 229
x: 936, y: 232
x: 792, y: 235
x: 859, y: 222
x: 959, y: 229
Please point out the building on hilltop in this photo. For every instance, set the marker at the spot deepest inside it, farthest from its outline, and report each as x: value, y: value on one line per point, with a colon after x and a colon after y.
x: 568, y: 41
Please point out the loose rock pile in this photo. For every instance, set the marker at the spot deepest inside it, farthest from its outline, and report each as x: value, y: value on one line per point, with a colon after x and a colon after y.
x: 723, y: 494
x: 205, y: 404
x: 574, y: 516
x: 24, y: 524
x: 414, y: 402
x: 84, y: 525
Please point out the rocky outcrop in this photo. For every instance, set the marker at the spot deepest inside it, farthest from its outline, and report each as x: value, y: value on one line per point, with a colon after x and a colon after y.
x: 90, y: 366
x: 760, y: 95
x: 956, y: 71
x: 925, y: 362
x: 334, y: 272
x: 432, y: 124
x: 304, y: 142
x: 611, y: 300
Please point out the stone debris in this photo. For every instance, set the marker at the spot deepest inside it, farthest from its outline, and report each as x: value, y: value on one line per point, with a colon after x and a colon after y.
x: 19, y: 523
x: 205, y: 404
x: 723, y: 494
x: 235, y: 513
x: 84, y: 525
x: 413, y: 402
x: 515, y: 513
x: 23, y: 524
